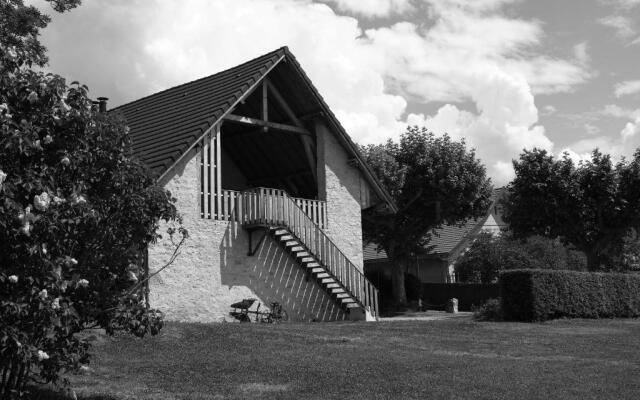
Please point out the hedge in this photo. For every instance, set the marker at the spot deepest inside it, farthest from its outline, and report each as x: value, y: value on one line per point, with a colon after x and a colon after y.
x: 435, y: 295
x: 538, y: 295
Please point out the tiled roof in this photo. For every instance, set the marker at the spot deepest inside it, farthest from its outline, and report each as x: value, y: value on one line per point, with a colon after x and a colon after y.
x: 165, y: 124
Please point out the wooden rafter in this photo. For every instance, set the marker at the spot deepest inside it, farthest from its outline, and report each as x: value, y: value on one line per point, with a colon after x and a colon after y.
x: 283, y: 104
x: 265, y: 104
x: 273, y: 125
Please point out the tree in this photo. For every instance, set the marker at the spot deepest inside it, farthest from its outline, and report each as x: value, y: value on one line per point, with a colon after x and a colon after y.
x: 489, y: 255
x: 433, y: 181
x: 593, y: 206
x: 77, y: 211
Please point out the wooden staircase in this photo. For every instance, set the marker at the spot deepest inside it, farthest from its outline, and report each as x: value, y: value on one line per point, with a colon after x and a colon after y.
x: 314, y: 251
x: 308, y: 261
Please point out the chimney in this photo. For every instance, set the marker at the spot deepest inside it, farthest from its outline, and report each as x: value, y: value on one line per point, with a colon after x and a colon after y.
x: 102, y: 104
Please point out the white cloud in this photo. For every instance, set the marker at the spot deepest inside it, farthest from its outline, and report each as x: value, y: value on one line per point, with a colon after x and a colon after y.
x: 630, y: 131
x: 468, y: 52
x: 622, y: 25
x: 581, y: 53
x: 627, y: 88
x: 614, y: 110
x: 549, y: 110
x: 372, y: 8
x: 591, y: 129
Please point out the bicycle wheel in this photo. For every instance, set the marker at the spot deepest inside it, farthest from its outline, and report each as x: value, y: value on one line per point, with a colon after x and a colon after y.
x: 283, y: 316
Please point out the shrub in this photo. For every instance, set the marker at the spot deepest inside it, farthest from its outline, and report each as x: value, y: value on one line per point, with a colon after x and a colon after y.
x: 489, y: 255
x: 538, y: 295
x: 491, y: 310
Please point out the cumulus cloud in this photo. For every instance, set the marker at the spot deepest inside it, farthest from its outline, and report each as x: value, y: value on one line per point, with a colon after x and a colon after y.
x: 626, y: 88
x: 623, y: 26
x: 372, y: 8
x: 469, y: 53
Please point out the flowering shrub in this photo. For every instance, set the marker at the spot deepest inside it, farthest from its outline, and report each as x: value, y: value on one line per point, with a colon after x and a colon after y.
x: 77, y: 212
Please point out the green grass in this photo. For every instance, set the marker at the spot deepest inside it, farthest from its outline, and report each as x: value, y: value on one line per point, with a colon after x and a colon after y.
x: 451, y: 359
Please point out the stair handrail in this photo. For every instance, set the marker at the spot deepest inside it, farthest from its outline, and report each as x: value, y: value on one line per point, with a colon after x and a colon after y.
x: 274, y: 207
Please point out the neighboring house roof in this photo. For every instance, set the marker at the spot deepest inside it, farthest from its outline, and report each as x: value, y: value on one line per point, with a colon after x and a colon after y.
x: 450, y: 239
x: 165, y: 125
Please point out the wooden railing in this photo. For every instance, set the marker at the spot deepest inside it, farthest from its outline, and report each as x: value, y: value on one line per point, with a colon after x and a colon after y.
x: 230, y: 208
x: 274, y: 207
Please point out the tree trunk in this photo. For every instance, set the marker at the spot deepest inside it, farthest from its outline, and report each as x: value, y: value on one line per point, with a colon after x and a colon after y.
x: 593, y: 261
x: 397, y: 282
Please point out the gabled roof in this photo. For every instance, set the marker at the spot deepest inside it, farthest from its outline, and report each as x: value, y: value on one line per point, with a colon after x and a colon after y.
x: 165, y: 125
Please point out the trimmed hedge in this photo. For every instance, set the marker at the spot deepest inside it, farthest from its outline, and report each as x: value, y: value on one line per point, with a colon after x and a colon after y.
x: 538, y: 295
x: 435, y: 295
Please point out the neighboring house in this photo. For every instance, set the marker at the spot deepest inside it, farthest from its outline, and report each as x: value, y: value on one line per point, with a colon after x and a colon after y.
x: 436, y: 264
x: 271, y: 189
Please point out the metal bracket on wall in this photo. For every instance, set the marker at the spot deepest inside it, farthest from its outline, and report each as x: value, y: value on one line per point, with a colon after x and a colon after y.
x: 253, y: 250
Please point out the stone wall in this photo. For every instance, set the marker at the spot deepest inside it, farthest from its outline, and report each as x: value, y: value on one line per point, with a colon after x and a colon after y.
x: 342, y: 191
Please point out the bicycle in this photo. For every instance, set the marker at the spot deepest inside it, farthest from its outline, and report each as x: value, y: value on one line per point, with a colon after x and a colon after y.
x: 241, y: 312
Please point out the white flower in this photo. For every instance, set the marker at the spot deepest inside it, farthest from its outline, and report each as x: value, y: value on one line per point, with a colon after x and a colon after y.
x: 13, y: 279
x: 44, y: 248
x: 65, y: 161
x: 43, y: 294
x: 3, y: 107
x: 73, y: 261
x: 3, y: 177
x: 26, y: 228
x: 42, y: 355
x: 55, y: 304
x: 83, y: 283
x: 11, y: 52
x: 78, y: 199
x: 57, y: 200
x: 126, y: 130
x: 41, y: 202
x: 63, y: 286
x: 132, y: 277
x: 48, y: 139
x: 33, y: 97
x: 18, y: 344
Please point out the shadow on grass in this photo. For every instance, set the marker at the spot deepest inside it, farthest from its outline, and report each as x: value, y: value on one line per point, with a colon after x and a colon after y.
x: 49, y: 393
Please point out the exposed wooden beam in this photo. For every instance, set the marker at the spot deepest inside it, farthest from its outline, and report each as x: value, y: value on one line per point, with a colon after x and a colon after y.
x: 265, y: 104
x: 283, y: 103
x: 307, y: 143
x: 273, y: 125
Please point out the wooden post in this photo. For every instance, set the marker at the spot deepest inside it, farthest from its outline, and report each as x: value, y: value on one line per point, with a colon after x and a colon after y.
x: 218, y: 168
x: 206, y: 177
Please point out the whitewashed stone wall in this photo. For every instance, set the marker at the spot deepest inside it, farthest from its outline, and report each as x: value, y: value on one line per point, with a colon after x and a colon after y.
x: 342, y: 191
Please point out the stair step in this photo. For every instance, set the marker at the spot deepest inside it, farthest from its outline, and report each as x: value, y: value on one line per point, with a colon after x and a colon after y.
x: 280, y: 232
x: 328, y: 281
x: 313, y: 265
x: 337, y: 290
x: 291, y: 243
x: 342, y: 295
x: 307, y: 260
x: 302, y: 253
x: 323, y: 275
x: 352, y: 305
x: 286, y: 238
x: 347, y: 300
x: 317, y: 270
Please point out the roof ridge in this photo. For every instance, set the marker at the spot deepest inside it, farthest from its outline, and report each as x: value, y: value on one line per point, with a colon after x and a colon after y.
x: 284, y: 49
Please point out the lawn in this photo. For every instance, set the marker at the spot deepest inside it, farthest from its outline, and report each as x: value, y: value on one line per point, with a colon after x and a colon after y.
x: 451, y: 359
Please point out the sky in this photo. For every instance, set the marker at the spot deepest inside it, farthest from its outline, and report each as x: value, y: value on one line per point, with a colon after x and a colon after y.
x: 504, y: 75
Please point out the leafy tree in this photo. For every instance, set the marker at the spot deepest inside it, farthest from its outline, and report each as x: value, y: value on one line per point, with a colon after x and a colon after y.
x: 77, y: 211
x: 592, y: 206
x: 433, y: 181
